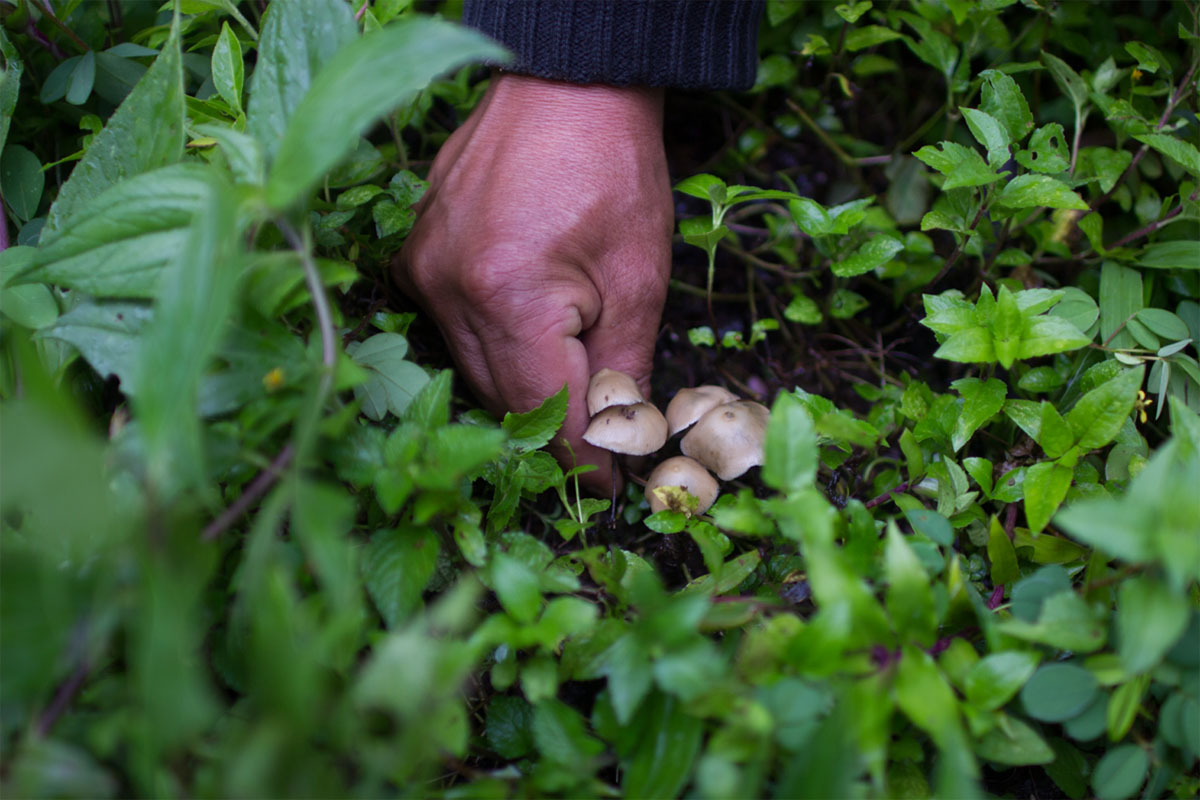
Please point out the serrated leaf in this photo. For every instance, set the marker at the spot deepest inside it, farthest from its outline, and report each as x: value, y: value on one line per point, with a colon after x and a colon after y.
x: 145, y: 132
x: 875, y: 253
x: 961, y: 165
x: 990, y: 133
x: 1097, y: 417
x: 1183, y: 153
x: 346, y: 96
x: 1032, y: 191
x: 1047, y: 152
x: 1002, y: 99
x: 392, y: 381
x: 1046, y: 485
x: 534, y: 429
x: 982, y: 400
x: 1067, y: 79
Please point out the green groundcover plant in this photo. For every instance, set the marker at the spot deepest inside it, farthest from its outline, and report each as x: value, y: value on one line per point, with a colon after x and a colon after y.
x: 253, y: 543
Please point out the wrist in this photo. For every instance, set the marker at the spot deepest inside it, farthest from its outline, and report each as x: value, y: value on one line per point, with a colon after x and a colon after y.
x: 595, y: 106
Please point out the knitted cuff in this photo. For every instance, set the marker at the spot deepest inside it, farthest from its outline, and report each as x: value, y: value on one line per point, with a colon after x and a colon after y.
x: 685, y: 44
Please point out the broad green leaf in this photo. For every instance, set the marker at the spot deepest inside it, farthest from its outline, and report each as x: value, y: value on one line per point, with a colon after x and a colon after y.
x: 627, y: 666
x: 347, y: 96
x: 1002, y: 555
x: 850, y: 12
x: 1003, y: 100
x: 1054, y: 434
x: 1120, y: 773
x: 1170, y: 255
x: 1047, y: 151
x: 228, y: 69
x: 704, y: 186
x: 990, y: 133
x: 1183, y: 153
x: 516, y: 586
x: 1120, y: 299
x: 1148, y: 58
x: 508, y: 730
x: 242, y: 152
x: 10, y: 85
x: 195, y: 297
x: 1150, y: 619
x: 145, y: 132
x: 790, y: 460
x: 1164, y: 323
x: 534, y: 429
x: 1032, y: 191
x: 83, y: 78
x: 397, y: 565
x: 1014, y: 742
x: 1007, y: 327
x: 108, y: 336
x: 1107, y: 164
x: 21, y: 181
x: 996, y: 678
x: 1048, y: 334
x: 932, y: 524
x: 926, y: 698
x: 1097, y: 417
x: 119, y: 242
x: 971, y: 346
x: 910, y: 603
x: 982, y: 400
x: 1031, y: 592
x: 1077, y: 307
x: 1046, y: 485
x: 875, y: 253
x: 1057, y: 692
x: 961, y: 165
x: 869, y: 36
x: 1067, y: 79
x: 295, y: 43
x: 392, y: 381
x: 562, y: 738
x: 1065, y: 622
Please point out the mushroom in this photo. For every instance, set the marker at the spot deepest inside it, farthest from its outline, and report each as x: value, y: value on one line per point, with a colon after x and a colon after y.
x: 608, y: 387
x: 729, y: 439
x: 637, y: 430
x: 689, y: 405
x: 683, y: 473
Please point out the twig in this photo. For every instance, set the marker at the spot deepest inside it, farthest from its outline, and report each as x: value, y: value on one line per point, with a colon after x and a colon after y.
x: 1153, y: 226
x: 48, y: 11
x: 883, y: 498
x: 264, y: 481
x: 958, y: 251
x: 63, y: 697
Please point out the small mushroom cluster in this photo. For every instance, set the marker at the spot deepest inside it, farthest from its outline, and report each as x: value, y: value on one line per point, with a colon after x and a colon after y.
x: 727, y: 436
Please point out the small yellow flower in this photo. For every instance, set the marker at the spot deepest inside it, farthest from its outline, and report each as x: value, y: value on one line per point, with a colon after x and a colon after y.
x: 273, y: 379
x: 1137, y: 74
x: 1141, y: 404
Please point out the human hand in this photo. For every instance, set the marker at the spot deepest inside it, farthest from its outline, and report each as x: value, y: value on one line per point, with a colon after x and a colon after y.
x: 542, y: 248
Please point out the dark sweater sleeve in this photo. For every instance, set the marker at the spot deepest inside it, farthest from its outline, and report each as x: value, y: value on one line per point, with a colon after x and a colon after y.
x: 685, y: 44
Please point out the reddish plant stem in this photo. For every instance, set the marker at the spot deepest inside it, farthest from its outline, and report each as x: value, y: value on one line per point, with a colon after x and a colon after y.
x: 1153, y: 226
x: 883, y: 498
x: 63, y: 697
x: 265, y: 480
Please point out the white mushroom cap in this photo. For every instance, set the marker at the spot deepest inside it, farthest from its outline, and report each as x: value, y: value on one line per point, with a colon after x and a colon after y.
x: 729, y: 439
x: 684, y: 473
x: 689, y: 405
x: 608, y: 387
x: 635, y: 430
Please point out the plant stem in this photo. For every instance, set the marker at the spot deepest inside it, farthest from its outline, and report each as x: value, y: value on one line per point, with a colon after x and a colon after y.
x: 1153, y: 226
x: 264, y: 481
x: 62, y: 698
x: 48, y: 11
x: 695, y: 291
x: 958, y: 251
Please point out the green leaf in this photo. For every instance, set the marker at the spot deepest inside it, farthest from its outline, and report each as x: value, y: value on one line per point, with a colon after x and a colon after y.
x: 1149, y: 59
x: 996, y: 678
x: 1002, y: 555
x: 926, y: 698
x: 397, y: 565
x: 875, y: 253
x: 1067, y: 79
x: 1098, y: 416
x: 704, y: 186
x: 108, y: 335
x: 1120, y: 299
x: 393, y: 382
x: 961, y: 165
x: 516, y: 586
x: 1032, y: 191
x: 982, y: 400
x: 790, y: 459
x: 562, y: 738
x: 1054, y: 434
x: 1047, y: 334
x: 1047, y: 151
x: 869, y: 36
x: 852, y: 11
x: 1170, y: 255
x: 21, y: 181
x: 534, y: 429
x: 346, y: 96
x: 296, y: 41
x: 10, y: 86
x: 145, y: 132
x: 1065, y: 622
x: 1029, y: 595
x: 1150, y: 619
x: 242, y: 152
x: 627, y: 666
x: 119, y: 242
x: 509, y: 727
x: 1183, y: 153
x: 1121, y: 772
x: 910, y: 603
x: 1057, y: 692
x: 228, y: 69
x: 1164, y: 323
x: 990, y: 133
x: 1046, y: 485
x: 931, y: 524
x: 1014, y: 742
x: 1003, y: 100
x: 970, y: 346
x: 1077, y: 307
x: 194, y: 300
x: 83, y: 78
